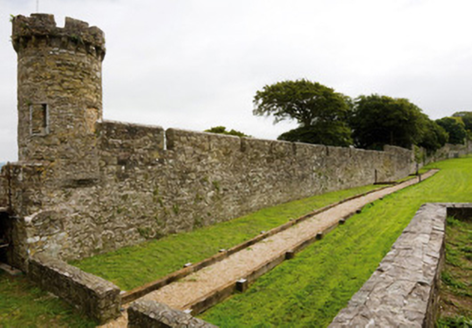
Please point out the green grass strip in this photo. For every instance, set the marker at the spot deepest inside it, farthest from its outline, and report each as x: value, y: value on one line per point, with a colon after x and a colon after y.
x: 22, y: 304
x: 311, y: 289
x: 133, y: 266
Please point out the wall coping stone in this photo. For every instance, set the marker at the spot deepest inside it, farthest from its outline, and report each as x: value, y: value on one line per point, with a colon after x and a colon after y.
x: 403, y: 291
x: 137, y: 125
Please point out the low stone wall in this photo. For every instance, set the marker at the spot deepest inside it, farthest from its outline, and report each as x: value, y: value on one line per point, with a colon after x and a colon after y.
x: 403, y: 291
x: 145, y: 313
x: 94, y: 296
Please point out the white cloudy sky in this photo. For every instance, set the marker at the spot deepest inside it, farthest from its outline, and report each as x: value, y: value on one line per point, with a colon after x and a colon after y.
x: 195, y: 64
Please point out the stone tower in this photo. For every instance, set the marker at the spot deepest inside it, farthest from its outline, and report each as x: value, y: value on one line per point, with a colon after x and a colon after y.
x: 59, y: 90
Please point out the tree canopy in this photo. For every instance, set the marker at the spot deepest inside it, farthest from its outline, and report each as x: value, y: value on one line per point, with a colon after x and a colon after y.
x: 433, y: 136
x: 379, y: 120
x: 333, y: 134
x: 222, y: 130
x: 331, y: 118
x: 320, y: 111
x: 455, y: 127
x: 467, y: 119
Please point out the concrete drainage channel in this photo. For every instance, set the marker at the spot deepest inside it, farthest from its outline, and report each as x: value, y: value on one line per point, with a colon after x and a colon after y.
x: 188, y: 298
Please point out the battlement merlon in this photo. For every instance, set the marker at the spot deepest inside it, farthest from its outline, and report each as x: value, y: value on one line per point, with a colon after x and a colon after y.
x: 43, y: 26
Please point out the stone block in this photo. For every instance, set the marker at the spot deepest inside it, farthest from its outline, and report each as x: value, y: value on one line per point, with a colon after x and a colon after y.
x: 242, y: 285
x: 145, y: 313
x: 289, y: 255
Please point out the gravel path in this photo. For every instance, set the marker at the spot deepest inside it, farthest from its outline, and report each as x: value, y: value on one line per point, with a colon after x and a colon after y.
x: 187, y: 291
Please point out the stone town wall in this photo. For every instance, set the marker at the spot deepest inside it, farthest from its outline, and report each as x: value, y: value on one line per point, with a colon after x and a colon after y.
x: 445, y: 152
x: 153, y: 182
x: 83, y: 187
x: 94, y: 296
x: 403, y: 291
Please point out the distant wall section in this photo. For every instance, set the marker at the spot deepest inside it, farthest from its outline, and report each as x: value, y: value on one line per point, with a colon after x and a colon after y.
x: 446, y: 152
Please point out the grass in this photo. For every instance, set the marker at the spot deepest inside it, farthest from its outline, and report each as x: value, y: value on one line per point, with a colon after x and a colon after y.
x: 134, y: 266
x: 22, y: 304
x: 456, y: 289
x: 311, y: 289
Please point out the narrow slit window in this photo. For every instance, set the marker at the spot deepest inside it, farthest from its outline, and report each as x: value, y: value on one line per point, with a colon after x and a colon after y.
x: 39, y: 119
x: 91, y: 117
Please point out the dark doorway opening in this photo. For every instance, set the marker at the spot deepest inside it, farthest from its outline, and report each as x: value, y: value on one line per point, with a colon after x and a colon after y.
x: 4, y: 240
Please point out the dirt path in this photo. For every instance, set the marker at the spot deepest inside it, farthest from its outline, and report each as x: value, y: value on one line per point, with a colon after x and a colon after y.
x: 183, y: 293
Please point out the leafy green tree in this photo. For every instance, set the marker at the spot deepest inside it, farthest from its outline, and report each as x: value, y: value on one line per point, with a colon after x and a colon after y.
x: 334, y: 134
x: 467, y: 119
x: 433, y: 136
x: 455, y: 127
x: 379, y: 120
x: 222, y: 130
x: 315, y: 107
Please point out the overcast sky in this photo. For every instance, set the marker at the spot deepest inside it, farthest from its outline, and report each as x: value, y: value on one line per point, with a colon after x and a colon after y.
x: 194, y: 64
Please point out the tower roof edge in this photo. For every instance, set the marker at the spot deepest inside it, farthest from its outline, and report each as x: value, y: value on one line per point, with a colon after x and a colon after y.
x: 44, y: 25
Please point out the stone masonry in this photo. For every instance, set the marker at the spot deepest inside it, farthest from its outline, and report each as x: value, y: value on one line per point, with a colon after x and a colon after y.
x: 85, y: 186
x: 94, y: 296
x: 403, y: 291
x: 146, y: 313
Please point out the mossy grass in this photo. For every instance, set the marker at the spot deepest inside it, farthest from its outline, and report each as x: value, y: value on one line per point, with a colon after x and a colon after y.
x: 456, y: 288
x: 311, y: 289
x: 131, y: 267
x: 22, y: 304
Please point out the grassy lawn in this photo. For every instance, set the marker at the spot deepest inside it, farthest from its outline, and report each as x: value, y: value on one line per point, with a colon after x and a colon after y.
x: 24, y: 305
x: 309, y: 290
x: 456, y: 289
x: 134, y: 266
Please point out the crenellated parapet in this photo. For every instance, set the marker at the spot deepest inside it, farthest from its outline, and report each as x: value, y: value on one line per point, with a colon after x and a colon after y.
x: 40, y: 30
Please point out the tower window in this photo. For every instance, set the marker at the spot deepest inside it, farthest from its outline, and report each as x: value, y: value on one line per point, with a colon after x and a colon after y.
x: 39, y: 119
x: 91, y: 117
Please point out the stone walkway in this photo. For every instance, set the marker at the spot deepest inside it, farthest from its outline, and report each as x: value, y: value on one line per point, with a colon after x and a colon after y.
x: 183, y: 293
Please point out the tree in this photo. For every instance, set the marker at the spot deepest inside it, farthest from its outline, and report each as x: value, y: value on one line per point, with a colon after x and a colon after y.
x: 455, y: 127
x: 433, y: 136
x: 334, y: 134
x: 379, y: 120
x: 222, y: 130
x: 467, y: 119
x: 314, y: 106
